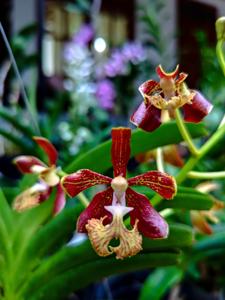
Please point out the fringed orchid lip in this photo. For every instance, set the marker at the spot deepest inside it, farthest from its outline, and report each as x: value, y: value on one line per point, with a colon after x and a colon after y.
x: 101, y: 215
x: 169, y: 93
x: 100, y: 235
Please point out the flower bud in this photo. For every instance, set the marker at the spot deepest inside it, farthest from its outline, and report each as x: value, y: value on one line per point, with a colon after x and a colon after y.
x: 220, y: 29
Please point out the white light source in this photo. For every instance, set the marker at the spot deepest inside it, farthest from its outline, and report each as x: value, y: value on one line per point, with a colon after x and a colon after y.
x: 100, y: 45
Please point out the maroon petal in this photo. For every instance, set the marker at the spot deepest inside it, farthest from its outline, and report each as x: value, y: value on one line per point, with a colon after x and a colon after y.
x: 96, y: 209
x: 120, y: 151
x: 150, y: 224
x: 60, y: 200
x: 146, y: 117
x: 48, y: 148
x: 197, y: 110
x: 161, y: 183
x: 25, y: 162
x: 162, y: 74
x: 148, y: 87
x: 83, y: 179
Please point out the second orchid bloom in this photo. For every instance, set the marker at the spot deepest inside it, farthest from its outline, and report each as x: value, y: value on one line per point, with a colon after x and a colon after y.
x: 103, y: 218
x: 170, y: 93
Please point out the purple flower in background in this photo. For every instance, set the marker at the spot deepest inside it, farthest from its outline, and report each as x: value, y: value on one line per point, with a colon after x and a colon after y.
x: 105, y: 93
x: 116, y: 65
x: 84, y: 35
x: 134, y: 52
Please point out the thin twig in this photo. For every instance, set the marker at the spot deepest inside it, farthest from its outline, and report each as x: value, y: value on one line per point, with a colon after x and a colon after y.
x: 23, y: 91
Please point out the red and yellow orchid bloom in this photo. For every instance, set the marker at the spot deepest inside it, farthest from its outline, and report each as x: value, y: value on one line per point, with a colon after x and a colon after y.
x: 170, y: 93
x: 103, y: 218
x: 47, y: 174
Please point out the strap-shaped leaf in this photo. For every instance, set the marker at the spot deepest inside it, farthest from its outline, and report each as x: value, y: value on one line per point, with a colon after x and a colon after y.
x: 51, y: 237
x: 159, y: 281
x: 72, y: 257
x: 188, y: 198
x: 84, y: 274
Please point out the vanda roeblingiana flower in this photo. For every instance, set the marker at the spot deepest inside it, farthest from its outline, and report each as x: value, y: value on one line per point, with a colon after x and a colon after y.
x: 103, y: 218
x: 48, y: 178
x: 170, y: 93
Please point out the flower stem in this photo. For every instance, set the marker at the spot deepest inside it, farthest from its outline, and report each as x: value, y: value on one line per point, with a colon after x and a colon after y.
x: 202, y: 152
x: 213, y: 140
x: 206, y: 175
x: 220, y: 56
x: 83, y: 199
x: 185, y: 134
x: 159, y: 160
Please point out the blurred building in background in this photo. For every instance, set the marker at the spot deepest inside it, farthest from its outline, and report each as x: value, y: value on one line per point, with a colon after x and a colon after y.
x: 115, y: 22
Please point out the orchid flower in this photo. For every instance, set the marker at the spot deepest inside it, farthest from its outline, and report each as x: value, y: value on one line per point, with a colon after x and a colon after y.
x: 170, y: 93
x: 103, y: 218
x: 200, y: 219
x: 48, y: 177
x: 171, y: 155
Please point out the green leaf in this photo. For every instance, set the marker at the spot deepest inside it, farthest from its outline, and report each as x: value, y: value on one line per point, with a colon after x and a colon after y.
x: 16, y: 122
x: 27, y: 224
x: 215, y: 241
x: 5, y: 212
x: 159, y: 282
x: 99, y: 159
x: 188, y: 200
x: 180, y: 236
x: 72, y: 257
x: 6, y: 225
x: 15, y: 139
x: 56, y: 233
x: 84, y: 274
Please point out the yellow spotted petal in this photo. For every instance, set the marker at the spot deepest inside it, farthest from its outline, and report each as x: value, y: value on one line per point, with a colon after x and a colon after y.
x: 29, y: 198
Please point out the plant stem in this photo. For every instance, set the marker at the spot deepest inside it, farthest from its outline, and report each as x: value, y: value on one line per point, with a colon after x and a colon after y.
x: 213, y: 140
x: 220, y: 56
x: 23, y: 91
x: 159, y: 160
x: 206, y: 175
x: 83, y: 199
x: 185, y: 134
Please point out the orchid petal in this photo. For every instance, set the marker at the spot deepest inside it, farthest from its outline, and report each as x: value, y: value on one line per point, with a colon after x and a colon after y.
x: 120, y: 151
x: 162, y: 74
x: 198, y: 109
x: 148, y: 87
x: 48, y: 148
x: 81, y: 180
x: 96, y: 209
x: 199, y: 222
x: 172, y: 156
x: 60, y: 200
x: 31, y: 197
x: 181, y: 78
x: 25, y: 163
x: 146, y: 117
x: 162, y: 183
x: 150, y: 223
x: 49, y: 176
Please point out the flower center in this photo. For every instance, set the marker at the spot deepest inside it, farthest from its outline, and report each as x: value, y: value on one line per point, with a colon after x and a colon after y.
x: 168, y: 87
x: 119, y: 184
